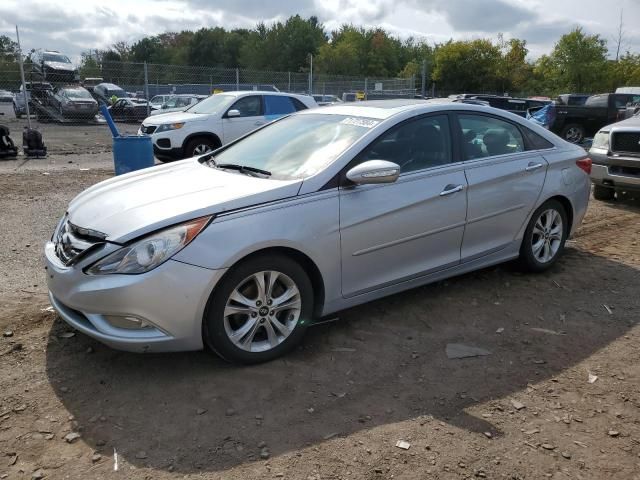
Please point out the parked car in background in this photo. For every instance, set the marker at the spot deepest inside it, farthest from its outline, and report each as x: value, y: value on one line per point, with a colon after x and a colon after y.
x: 6, y: 96
x: 74, y: 102
x: 218, y: 120
x: 53, y: 66
x: 324, y: 100
x: 104, y: 92
x: 615, y: 153
x: 158, y: 100
x: 128, y: 110
x: 519, y: 106
x: 315, y: 213
x: 178, y: 103
x: 21, y: 98
x: 90, y: 82
x: 576, y: 122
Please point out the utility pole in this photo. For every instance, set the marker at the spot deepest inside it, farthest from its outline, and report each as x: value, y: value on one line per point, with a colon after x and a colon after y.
x: 146, y: 88
x: 423, y: 90
x: 311, y: 76
x: 24, y: 84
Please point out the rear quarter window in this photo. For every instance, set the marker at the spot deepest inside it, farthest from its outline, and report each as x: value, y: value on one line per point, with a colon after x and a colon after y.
x: 535, y: 141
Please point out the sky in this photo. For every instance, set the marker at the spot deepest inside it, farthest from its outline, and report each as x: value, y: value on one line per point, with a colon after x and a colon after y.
x: 74, y: 26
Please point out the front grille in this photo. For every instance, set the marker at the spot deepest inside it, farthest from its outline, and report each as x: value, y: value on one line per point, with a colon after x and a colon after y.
x: 625, y: 142
x: 72, y: 242
x: 625, y: 171
x: 148, y: 130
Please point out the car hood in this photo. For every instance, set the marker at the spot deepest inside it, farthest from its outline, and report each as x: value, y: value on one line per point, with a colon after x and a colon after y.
x: 155, y: 113
x: 174, y: 117
x: 60, y: 66
x: 131, y: 205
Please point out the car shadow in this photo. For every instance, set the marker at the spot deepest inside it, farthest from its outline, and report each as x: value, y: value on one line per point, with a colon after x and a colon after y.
x: 384, y: 362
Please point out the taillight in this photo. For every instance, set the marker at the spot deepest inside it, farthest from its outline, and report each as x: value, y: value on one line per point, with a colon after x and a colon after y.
x: 585, y: 165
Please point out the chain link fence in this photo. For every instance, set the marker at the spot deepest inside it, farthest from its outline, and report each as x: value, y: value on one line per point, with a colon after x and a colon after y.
x: 63, y: 105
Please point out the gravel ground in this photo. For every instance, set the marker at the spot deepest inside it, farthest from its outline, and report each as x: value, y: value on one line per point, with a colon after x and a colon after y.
x: 336, y: 407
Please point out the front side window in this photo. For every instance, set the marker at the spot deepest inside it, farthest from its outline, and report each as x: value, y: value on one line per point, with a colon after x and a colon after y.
x: 249, y: 106
x: 278, y: 105
x: 484, y: 136
x: 414, y: 145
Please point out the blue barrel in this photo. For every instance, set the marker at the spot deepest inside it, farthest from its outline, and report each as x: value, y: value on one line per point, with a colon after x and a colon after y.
x: 132, y: 153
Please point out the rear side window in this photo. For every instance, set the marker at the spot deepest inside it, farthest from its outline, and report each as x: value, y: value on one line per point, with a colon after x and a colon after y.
x: 597, y: 101
x: 298, y: 104
x: 535, y: 141
x: 278, y: 105
x: 484, y: 136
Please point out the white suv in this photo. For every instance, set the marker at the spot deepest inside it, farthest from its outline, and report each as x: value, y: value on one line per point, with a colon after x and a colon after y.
x: 217, y: 120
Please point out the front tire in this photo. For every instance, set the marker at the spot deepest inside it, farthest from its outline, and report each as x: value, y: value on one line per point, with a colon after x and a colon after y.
x: 603, y: 193
x: 199, y: 146
x: 260, y: 310
x: 544, y: 238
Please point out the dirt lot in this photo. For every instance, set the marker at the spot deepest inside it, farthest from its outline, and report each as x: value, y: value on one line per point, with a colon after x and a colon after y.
x: 336, y: 407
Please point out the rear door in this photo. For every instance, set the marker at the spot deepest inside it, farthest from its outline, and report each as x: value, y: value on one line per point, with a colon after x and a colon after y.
x: 251, y: 117
x: 504, y: 182
x: 402, y: 230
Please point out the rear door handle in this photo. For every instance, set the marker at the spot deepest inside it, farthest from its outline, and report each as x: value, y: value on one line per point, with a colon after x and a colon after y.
x: 450, y: 189
x: 533, y: 166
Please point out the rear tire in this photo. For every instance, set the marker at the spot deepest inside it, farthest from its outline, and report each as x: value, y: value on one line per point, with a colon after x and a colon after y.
x: 573, y: 133
x: 603, y: 193
x: 246, y: 323
x: 544, y: 238
x: 199, y: 146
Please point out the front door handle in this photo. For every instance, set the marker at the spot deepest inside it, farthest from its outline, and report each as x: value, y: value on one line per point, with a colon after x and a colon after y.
x: 258, y: 124
x: 449, y: 189
x: 533, y: 166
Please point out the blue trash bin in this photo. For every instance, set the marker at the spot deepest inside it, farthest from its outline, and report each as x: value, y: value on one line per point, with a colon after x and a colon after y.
x: 132, y: 153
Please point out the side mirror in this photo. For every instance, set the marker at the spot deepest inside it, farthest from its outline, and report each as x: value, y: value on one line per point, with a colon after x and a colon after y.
x: 233, y: 113
x: 374, y: 171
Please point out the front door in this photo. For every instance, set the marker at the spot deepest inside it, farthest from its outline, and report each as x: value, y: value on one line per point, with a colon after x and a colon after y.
x: 504, y: 179
x: 251, y: 117
x: 398, y: 231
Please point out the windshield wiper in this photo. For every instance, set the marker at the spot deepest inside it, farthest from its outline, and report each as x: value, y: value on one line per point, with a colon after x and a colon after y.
x: 242, y: 168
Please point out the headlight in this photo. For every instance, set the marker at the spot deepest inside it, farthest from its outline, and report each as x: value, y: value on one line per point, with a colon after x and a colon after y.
x: 601, y: 140
x: 150, y: 251
x: 169, y: 126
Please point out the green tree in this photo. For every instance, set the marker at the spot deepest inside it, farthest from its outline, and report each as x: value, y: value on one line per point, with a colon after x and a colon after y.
x: 467, y: 66
x: 578, y: 62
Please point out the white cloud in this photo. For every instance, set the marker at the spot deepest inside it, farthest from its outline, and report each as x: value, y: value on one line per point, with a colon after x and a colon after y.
x: 77, y: 25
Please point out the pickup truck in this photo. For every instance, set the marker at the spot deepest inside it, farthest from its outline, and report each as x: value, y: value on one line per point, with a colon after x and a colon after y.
x: 615, y: 154
x: 575, y: 122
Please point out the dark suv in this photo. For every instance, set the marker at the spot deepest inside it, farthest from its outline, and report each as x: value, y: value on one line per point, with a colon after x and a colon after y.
x: 53, y: 66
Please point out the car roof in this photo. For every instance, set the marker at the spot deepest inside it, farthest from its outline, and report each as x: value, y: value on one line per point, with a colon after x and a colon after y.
x: 240, y: 93
x: 381, y: 109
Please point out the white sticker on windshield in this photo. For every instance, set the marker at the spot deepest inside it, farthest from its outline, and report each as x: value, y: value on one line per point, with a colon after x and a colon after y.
x: 360, y: 122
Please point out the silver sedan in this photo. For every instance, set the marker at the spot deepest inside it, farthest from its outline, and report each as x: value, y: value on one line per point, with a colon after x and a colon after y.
x: 241, y: 249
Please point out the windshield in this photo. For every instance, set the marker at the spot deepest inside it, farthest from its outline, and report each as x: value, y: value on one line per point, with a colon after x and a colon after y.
x: 212, y: 104
x: 56, y: 57
x: 78, y: 93
x: 297, y: 146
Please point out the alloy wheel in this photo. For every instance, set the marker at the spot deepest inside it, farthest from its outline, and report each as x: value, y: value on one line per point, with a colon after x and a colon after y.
x: 547, y: 236
x: 573, y: 135
x: 262, y: 311
x: 201, y: 149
